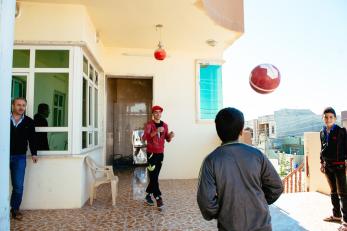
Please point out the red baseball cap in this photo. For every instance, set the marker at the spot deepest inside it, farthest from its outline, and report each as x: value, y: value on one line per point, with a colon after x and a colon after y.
x: 157, y: 108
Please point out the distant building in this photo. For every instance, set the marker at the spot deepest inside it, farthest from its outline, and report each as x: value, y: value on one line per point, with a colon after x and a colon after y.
x: 294, y: 122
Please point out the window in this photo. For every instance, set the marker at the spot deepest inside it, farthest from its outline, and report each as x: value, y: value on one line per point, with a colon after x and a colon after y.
x: 52, y: 58
x: 46, y: 70
x: 52, y: 89
x: 89, y: 105
x: 19, y: 86
x: 21, y: 58
x: 209, y: 90
x: 58, y: 109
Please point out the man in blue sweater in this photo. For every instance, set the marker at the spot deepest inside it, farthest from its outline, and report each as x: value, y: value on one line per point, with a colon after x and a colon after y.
x: 22, y: 133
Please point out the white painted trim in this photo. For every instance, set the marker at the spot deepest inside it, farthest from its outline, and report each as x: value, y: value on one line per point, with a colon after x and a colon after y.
x: 52, y: 153
x: 76, y: 132
x: 82, y: 44
x: 52, y: 129
x: 198, y: 62
x: 7, y: 17
x: 90, y: 128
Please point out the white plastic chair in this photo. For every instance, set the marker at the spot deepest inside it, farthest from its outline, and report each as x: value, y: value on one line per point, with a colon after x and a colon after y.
x: 107, y: 177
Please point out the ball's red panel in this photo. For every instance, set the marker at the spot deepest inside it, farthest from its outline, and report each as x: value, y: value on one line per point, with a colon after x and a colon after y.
x: 265, y: 78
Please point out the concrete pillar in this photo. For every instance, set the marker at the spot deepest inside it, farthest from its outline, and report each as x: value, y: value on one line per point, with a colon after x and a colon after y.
x: 7, y: 12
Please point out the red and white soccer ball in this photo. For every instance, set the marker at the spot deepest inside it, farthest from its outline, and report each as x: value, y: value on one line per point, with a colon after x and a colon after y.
x: 265, y: 78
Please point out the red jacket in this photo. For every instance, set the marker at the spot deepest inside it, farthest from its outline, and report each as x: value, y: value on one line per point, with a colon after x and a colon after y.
x: 155, y: 144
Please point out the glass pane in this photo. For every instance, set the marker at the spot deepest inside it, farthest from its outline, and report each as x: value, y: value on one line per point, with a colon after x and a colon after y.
x: 49, y: 89
x: 90, y: 138
x: 21, y: 58
x: 96, y: 139
x: 91, y: 73
x: 53, y: 141
x: 85, y: 65
x: 210, y: 90
x: 96, y: 78
x: 84, y: 139
x: 96, y: 108
x: 55, y: 117
x: 52, y: 58
x: 19, y: 86
x: 90, y: 105
x: 84, y: 103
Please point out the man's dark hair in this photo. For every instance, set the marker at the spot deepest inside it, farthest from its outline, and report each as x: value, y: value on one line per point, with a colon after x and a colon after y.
x: 18, y: 98
x: 329, y: 110
x: 43, y: 107
x: 229, y: 124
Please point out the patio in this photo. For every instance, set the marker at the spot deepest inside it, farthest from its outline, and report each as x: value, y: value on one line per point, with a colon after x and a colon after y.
x: 299, y: 211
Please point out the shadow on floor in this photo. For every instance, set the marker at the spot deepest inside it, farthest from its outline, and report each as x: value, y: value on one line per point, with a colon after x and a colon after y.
x: 281, y: 221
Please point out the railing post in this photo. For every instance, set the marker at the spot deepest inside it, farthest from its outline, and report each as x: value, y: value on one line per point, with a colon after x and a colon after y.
x: 287, y: 181
x: 295, y: 181
x: 300, y: 172
x: 291, y: 164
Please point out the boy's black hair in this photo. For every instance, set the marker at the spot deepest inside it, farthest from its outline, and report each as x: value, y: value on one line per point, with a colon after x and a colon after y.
x: 229, y: 124
x: 329, y: 110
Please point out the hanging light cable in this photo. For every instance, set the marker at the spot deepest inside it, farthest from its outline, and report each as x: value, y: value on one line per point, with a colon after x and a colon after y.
x: 159, y: 53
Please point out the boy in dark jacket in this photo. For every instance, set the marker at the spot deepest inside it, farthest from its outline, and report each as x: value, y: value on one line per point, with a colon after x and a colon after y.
x: 333, y: 158
x: 237, y: 182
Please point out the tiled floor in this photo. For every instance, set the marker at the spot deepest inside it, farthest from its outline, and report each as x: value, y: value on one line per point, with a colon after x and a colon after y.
x: 180, y: 213
x: 292, y: 212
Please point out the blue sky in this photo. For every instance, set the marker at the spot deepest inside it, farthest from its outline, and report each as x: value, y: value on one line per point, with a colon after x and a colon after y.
x: 306, y: 40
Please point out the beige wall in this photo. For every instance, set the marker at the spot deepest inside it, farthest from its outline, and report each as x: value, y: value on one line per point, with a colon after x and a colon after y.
x: 316, y: 181
x: 54, y: 23
x: 54, y: 182
x: 174, y: 90
x: 58, y: 182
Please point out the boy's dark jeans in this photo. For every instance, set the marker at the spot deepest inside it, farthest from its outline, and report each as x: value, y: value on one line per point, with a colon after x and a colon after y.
x: 17, y: 168
x: 154, y: 165
x: 336, y: 176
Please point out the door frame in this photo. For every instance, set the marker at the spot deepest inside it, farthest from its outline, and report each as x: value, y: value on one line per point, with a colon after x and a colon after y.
x: 106, y: 119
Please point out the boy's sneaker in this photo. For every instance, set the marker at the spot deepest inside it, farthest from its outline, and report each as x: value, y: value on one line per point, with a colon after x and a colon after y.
x: 159, y: 202
x: 148, y: 200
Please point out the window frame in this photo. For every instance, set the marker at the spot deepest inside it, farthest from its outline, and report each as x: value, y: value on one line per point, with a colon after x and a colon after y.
x: 198, y: 63
x: 30, y: 72
x: 91, y: 86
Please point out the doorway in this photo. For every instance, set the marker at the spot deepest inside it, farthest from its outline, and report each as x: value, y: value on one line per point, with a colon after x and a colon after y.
x: 129, y: 102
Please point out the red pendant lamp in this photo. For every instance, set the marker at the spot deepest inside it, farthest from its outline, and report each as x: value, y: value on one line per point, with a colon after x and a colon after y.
x: 159, y: 53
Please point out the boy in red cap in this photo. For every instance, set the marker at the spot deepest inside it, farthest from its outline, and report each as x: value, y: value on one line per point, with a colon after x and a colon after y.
x: 155, y: 133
